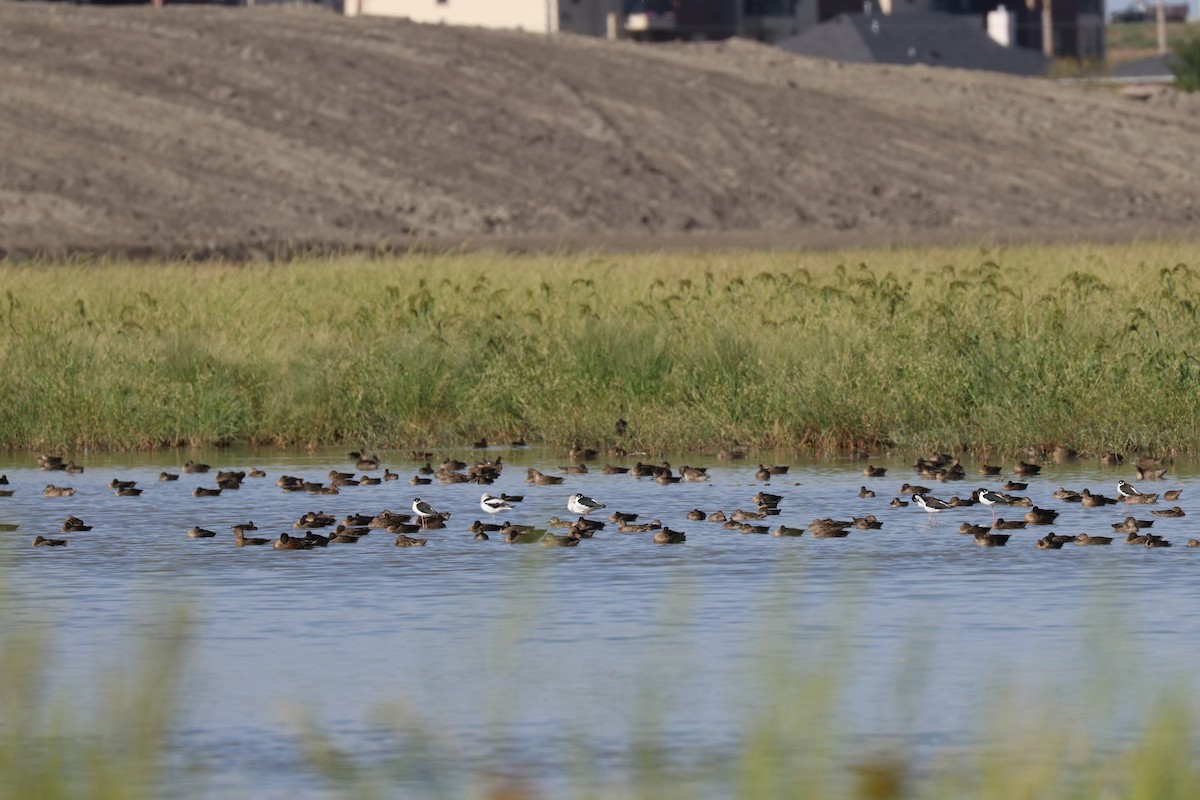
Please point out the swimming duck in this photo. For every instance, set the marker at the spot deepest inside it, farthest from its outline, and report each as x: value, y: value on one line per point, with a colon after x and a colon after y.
x: 784, y: 530
x: 874, y: 472
x: 1002, y: 525
x: 364, y: 463
x: 911, y: 488
x: 74, y: 524
x: 1069, y: 495
x: 742, y: 516
x: 988, y: 469
x: 611, y: 470
x: 1173, y: 494
x: 829, y: 528
x: 992, y: 539
x: 240, y: 539
x: 1135, y: 538
x: 316, y: 539
x: 696, y: 514
x: 1014, y: 486
x: 388, y: 518
x: 128, y: 491
x: 57, y: 491
x: 1168, y: 512
x: 417, y: 480
x: 898, y: 503
x: 763, y: 474
x: 479, y: 527
x: 1049, y: 543
x: 967, y: 529
x: 668, y: 536
x: 868, y: 523
x: 42, y: 541
x: 1040, y: 516
x: 201, y: 491
x: 231, y: 475
x: 388, y: 475
x: 865, y: 493
x: 746, y: 527
x: 1089, y: 500
x: 168, y: 476
x: 1131, y: 524
x: 574, y: 469
x: 535, y: 476
x: 1157, y: 541
x: 578, y: 453
x: 554, y: 540
x: 526, y: 535
x: 192, y: 467
x: 1025, y: 468
x: 1085, y: 539
x: 118, y: 484
x: 49, y: 463
x: 1193, y: 542
x: 255, y: 472
x: 480, y: 536
x: 1141, y: 499
x: 639, y: 527
x: 717, y: 516
x: 766, y: 499
x: 1151, y: 474
x: 1110, y: 459
x: 71, y: 468
x: 693, y: 474
x: 285, y: 542
x: 200, y: 533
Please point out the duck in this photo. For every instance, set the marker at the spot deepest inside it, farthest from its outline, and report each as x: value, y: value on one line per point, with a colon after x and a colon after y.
x: 1168, y: 512
x: 49, y: 463
x: 784, y: 530
x: 609, y: 469
x: 1085, y: 539
x: 231, y: 475
x: 343, y: 536
x: 191, y: 467
x: 128, y: 491
x: 42, y: 541
x: 763, y: 474
x: 1040, y: 516
x: 1089, y: 500
x: 71, y: 468
x: 388, y: 475
x: 1014, y: 486
x: 696, y: 514
x: 285, y: 542
x: 1157, y: 541
x: 898, y: 503
x: 74, y: 524
x: 526, y: 535
x: 578, y: 453
x: 968, y: 529
x: 554, y: 540
x: 200, y: 533
x: 693, y: 474
x: 1049, y: 543
x: 868, y: 523
x: 1151, y: 474
x: 767, y: 499
x: 255, y: 472
x: 535, y: 476
x: 574, y: 469
x: 387, y: 518
x: 668, y: 536
x: 201, y: 491
x: 1130, y: 524
x: 865, y: 493
x: 1069, y: 495
x: 1110, y: 459
x: 1135, y: 538
x: 240, y: 539
x: 57, y: 491
x: 314, y: 519
x: 992, y: 539
x: 1141, y: 499
x: 746, y: 527
x: 1172, y: 494
x: 119, y: 484
x: 1025, y: 468
x: 912, y: 488
x: 1002, y: 525
x: 364, y: 463
x: 1193, y: 542
x: 480, y: 536
x: 874, y: 472
x: 742, y: 516
x: 479, y: 526
x: 987, y: 469
x: 640, y: 527
x: 620, y: 516
x: 829, y: 528
x: 717, y: 516
x: 316, y: 539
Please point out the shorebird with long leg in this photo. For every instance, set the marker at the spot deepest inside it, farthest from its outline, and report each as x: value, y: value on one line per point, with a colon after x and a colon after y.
x: 931, y: 504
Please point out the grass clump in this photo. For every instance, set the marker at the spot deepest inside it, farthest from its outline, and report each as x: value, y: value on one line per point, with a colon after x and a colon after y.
x: 1093, y: 346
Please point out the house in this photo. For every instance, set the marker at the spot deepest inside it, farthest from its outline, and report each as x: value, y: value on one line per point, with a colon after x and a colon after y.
x: 1078, y: 25
x: 933, y: 39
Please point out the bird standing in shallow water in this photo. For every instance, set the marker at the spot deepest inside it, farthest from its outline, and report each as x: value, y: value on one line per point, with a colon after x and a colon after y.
x: 1127, y: 489
x: 583, y: 505
x: 494, y: 505
x: 425, y: 511
x: 990, y: 499
x: 931, y: 504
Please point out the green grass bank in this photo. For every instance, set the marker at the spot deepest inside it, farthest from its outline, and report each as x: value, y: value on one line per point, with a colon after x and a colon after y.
x: 973, y: 348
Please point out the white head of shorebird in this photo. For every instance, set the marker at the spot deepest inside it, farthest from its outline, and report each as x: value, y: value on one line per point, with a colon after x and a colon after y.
x: 494, y: 505
x: 583, y: 505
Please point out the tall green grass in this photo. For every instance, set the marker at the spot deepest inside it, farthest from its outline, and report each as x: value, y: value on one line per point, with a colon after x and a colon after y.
x: 1093, y: 346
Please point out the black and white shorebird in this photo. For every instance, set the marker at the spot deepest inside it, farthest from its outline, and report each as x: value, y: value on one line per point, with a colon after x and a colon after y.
x: 583, y: 505
x: 931, y: 504
x: 425, y: 511
x: 991, y: 500
x: 494, y: 505
x: 1127, y: 489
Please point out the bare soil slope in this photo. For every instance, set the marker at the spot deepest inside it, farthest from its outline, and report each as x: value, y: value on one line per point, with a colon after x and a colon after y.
x: 244, y: 130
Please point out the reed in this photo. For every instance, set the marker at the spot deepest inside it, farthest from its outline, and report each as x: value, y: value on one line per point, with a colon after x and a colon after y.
x: 998, y: 348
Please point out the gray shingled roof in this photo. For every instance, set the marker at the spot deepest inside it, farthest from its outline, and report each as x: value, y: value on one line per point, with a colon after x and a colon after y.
x: 942, y: 40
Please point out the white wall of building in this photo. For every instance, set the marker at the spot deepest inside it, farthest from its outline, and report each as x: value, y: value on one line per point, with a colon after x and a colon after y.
x: 539, y: 16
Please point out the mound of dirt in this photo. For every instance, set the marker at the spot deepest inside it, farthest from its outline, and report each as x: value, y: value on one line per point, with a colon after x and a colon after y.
x: 260, y: 130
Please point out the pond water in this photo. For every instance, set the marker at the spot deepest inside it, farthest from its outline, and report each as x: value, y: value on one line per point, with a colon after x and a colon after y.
x: 492, y: 655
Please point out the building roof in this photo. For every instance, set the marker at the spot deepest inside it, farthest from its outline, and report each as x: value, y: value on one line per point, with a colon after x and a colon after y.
x: 941, y: 40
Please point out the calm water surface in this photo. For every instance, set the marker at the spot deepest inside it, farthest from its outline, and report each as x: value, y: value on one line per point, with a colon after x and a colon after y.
x: 492, y: 655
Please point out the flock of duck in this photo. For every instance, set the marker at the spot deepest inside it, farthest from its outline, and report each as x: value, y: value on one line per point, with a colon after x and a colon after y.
x: 408, y: 527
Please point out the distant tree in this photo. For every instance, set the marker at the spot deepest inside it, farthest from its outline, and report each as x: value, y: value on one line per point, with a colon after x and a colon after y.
x: 1186, y: 64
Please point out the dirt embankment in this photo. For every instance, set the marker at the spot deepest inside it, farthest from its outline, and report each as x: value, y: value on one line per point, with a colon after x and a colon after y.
x: 266, y: 129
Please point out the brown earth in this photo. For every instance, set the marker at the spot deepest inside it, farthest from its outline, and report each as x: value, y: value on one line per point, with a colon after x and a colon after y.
x: 272, y: 129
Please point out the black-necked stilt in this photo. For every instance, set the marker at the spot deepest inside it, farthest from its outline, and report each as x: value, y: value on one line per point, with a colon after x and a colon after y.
x: 425, y: 511
x: 583, y: 505
x: 931, y: 504
x: 991, y: 500
x: 1126, y: 489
